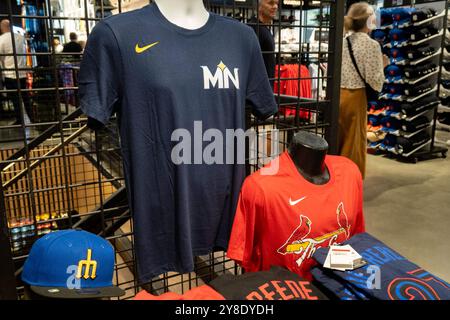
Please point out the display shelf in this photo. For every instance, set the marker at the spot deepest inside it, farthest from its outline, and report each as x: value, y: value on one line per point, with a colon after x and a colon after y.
x: 414, y: 81
x: 422, y: 95
x: 402, y: 116
x: 411, y: 81
x: 443, y: 108
x: 407, y: 155
x: 409, y: 119
x: 413, y: 43
x: 414, y: 24
x: 420, y: 23
x: 415, y: 62
x: 407, y: 135
x: 399, y: 97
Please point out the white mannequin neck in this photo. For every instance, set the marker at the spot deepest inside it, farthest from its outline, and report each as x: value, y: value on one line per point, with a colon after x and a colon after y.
x: 188, y: 14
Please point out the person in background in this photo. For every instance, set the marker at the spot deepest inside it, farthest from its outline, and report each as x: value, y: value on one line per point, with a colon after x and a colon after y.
x: 57, y: 45
x: 8, y: 67
x: 360, y: 20
x: 267, y: 11
x: 73, y: 46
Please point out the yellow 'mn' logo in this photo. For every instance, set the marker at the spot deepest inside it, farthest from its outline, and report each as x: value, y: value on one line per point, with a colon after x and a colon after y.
x: 90, y: 267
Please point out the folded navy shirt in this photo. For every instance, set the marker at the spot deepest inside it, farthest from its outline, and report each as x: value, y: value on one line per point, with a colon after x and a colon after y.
x: 387, y: 276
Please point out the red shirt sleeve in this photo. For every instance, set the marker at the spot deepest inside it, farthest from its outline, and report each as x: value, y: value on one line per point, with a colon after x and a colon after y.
x: 243, y: 246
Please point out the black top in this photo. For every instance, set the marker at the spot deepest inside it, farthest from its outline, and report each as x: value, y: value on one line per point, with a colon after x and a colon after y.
x: 274, y: 284
x: 73, y: 47
x: 267, y: 43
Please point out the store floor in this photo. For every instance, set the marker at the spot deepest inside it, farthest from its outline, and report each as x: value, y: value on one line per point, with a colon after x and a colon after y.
x: 407, y: 206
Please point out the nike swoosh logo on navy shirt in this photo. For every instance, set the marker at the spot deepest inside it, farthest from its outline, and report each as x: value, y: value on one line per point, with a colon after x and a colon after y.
x: 142, y: 49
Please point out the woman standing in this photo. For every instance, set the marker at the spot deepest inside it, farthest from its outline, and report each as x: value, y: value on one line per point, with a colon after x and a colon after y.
x: 370, y: 62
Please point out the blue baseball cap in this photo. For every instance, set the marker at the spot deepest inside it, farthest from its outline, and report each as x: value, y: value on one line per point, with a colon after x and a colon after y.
x: 390, y: 140
x: 386, y: 17
x: 379, y: 35
x: 396, y: 55
x: 71, y: 264
x: 393, y: 73
x: 375, y: 105
x: 402, y: 15
x: 398, y: 36
x: 374, y: 120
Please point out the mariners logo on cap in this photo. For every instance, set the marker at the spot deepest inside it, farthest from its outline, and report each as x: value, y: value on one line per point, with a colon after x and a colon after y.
x: 89, y: 264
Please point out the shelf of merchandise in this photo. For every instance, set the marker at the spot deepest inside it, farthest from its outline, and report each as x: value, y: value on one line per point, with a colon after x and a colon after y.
x: 407, y: 155
x: 416, y: 62
x: 407, y: 98
x: 420, y: 23
x: 414, y: 43
x: 402, y: 116
x: 413, y: 24
x: 407, y: 135
x: 412, y: 81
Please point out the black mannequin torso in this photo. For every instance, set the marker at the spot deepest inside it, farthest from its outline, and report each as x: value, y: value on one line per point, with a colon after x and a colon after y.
x: 308, y: 152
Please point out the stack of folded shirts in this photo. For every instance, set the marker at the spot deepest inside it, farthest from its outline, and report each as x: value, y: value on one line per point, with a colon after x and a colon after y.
x: 386, y: 276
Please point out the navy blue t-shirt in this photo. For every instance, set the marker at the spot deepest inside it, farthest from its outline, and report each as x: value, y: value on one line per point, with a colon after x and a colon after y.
x: 387, y: 276
x: 159, y: 77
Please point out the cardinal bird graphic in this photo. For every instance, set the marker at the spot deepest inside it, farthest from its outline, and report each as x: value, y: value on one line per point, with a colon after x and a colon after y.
x: 299, y: 244
x: 300, y: 233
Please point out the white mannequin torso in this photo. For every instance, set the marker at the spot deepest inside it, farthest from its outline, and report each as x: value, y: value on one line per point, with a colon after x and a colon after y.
x: 188, y: 14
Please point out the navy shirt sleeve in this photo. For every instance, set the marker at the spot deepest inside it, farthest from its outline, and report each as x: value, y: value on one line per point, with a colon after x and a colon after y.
x: 259, y: 91
x: 99, y: 79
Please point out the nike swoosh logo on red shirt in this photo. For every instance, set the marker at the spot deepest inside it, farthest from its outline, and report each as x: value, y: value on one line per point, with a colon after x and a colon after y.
x: 293, y: 203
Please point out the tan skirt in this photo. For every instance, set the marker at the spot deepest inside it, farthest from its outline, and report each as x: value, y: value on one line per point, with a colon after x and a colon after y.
x: 353, y: 126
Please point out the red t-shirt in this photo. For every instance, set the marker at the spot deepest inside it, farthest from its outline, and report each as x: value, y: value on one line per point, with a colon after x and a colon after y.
x: 282, y: 219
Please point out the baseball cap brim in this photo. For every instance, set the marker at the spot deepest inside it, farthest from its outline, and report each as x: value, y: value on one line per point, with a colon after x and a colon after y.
x: 88, y: 293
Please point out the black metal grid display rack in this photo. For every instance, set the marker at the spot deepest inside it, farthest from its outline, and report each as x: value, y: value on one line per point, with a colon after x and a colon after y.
x: 402, y: 124
x: 56, y: 173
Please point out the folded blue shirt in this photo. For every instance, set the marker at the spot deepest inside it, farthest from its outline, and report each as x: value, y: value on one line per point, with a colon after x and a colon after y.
x: 387, y: 276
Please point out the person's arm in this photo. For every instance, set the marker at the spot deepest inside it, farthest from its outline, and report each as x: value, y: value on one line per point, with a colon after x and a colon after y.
x: 374, y: 67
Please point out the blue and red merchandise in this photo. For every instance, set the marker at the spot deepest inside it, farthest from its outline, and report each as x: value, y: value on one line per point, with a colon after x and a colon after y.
x: 387, y: 275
